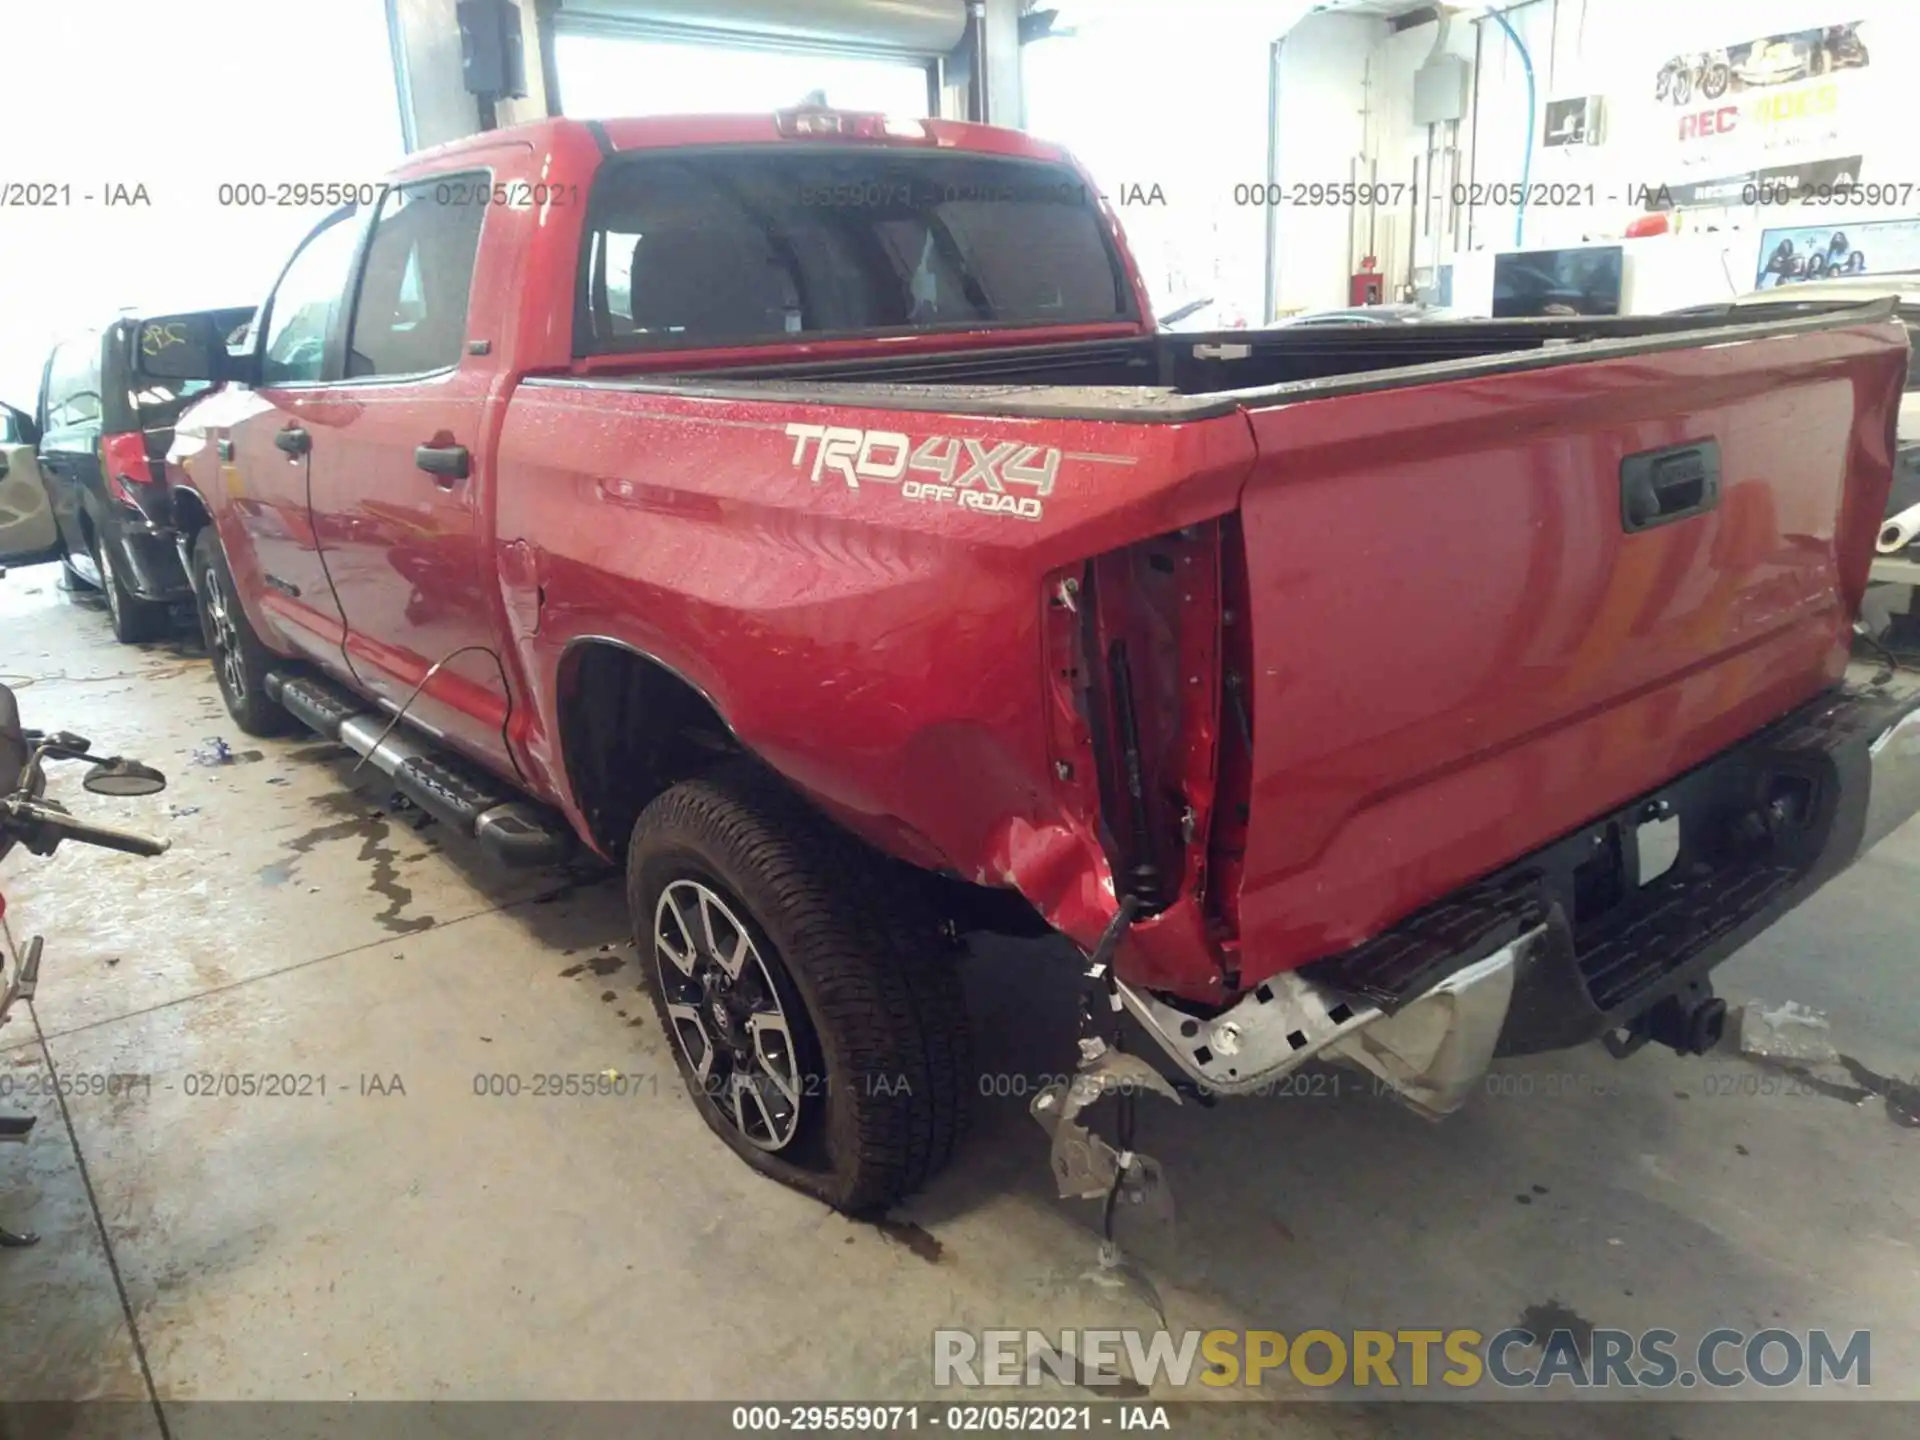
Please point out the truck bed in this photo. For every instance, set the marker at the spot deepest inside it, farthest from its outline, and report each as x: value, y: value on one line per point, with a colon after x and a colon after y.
x: 1171, y: 378
x: 1424, y: 633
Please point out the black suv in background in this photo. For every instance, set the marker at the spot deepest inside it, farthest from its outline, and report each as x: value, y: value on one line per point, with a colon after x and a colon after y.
x: 103, y: 443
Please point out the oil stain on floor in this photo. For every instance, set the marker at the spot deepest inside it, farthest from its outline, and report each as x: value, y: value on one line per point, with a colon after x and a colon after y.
x: 373, y: 830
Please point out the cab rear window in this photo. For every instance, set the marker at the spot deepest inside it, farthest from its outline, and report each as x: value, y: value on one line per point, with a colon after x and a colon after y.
x: 763, y: 244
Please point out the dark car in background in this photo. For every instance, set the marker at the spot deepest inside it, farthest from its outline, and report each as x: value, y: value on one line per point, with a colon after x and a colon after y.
x: 103, y: 438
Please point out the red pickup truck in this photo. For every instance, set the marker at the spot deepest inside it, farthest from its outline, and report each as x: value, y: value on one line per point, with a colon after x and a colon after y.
x: 804, y: 509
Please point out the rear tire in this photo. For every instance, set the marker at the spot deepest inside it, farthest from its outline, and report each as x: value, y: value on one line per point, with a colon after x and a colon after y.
x: 240, y: 661
x: 135, y: 620
x: 832, y: 1053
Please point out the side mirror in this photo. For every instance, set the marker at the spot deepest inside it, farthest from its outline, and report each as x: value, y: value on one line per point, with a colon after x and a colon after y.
x: 178, y: 347
x: 190, y: 346
x: 124, y: 778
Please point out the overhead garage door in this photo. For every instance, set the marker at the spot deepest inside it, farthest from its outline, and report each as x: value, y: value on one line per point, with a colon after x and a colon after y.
x: 906, y: 29
x: 617, y: 57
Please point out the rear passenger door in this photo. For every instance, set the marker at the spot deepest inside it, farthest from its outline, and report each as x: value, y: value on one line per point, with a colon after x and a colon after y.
x: 399, y: 493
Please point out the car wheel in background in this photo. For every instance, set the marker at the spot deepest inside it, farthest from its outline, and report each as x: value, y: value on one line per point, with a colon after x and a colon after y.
x: 71, y: 580
x: 134, y: 620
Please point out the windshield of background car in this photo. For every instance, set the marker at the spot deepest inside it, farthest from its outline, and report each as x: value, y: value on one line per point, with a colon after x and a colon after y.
x: 763, y: 244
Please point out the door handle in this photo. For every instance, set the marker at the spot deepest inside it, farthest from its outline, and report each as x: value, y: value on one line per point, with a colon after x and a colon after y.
x: 446, y: 463
x: 4, y: 467
x: 224, y: 449
x: 293, y: 440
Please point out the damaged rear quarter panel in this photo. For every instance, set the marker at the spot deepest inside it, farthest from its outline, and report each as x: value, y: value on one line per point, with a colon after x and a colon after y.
x: 878, y: 644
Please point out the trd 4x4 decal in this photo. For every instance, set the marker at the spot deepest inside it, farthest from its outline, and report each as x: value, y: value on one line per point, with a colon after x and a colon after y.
x: 942, y: 469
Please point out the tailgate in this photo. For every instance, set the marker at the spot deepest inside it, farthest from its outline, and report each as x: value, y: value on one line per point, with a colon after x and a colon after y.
x: 1486, y: 610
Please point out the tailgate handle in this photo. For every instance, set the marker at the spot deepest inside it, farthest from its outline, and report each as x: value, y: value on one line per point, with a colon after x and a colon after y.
x: 1659, y: 486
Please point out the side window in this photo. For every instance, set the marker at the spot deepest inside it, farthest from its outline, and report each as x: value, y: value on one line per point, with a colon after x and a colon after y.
x: 411, y: 315
x: 302, y: 311
x: 73, y: 383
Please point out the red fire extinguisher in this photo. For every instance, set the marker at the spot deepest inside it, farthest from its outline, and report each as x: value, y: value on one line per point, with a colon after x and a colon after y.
x: 1365, y: 287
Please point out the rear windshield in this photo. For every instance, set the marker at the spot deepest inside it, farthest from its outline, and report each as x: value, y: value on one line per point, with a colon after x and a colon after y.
x: 745, y: 246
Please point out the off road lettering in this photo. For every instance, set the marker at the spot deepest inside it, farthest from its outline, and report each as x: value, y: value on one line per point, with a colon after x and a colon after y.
x: 969, y: 473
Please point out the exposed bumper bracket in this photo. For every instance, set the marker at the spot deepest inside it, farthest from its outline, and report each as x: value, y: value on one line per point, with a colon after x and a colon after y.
x: 1432, y: 1051
x: 1280, y: 1024
x: 1502, y: 967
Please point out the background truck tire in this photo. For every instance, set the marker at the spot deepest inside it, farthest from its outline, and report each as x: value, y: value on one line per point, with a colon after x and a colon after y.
x: 240, y: 661
x: 134, y: 620
x: 866, y: 981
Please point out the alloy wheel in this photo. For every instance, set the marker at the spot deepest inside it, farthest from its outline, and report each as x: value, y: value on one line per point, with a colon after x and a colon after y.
x: 223, y: 636
x: 726, y: 1013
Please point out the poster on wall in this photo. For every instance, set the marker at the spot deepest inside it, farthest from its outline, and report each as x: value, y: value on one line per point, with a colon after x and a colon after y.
x: 1761, y: 64
x: 1775, y: 100
x: 1794, y: 254
x: 1774, y: 185
x: 1572, y: 122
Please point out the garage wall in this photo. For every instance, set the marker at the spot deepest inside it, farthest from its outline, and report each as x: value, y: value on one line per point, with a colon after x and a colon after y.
x: 1608, y: 48
x: 434, y: 99
x: 437, y: 107
x: 1169, y: 118
x: 175, y: 139
x: 1324, y: 130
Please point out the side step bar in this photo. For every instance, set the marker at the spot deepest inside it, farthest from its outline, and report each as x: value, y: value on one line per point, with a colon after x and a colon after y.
x: 516, y: 832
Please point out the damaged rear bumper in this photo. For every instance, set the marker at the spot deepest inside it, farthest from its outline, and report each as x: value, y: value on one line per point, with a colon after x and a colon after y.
x: 1583, y: 937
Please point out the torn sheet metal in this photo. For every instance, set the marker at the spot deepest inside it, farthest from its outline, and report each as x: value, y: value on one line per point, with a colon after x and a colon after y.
x: 1085, y: 1167
x: 1435, y: 1052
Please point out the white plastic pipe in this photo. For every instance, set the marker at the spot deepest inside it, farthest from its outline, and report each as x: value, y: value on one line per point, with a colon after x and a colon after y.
x: 1900, y: 530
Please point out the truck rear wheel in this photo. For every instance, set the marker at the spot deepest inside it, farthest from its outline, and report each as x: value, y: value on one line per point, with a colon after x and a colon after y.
x: 240, y: 661
x: 813, y: 1008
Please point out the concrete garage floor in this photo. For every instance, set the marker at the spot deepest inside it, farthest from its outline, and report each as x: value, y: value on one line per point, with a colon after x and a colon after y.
x: 437, y: 1244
